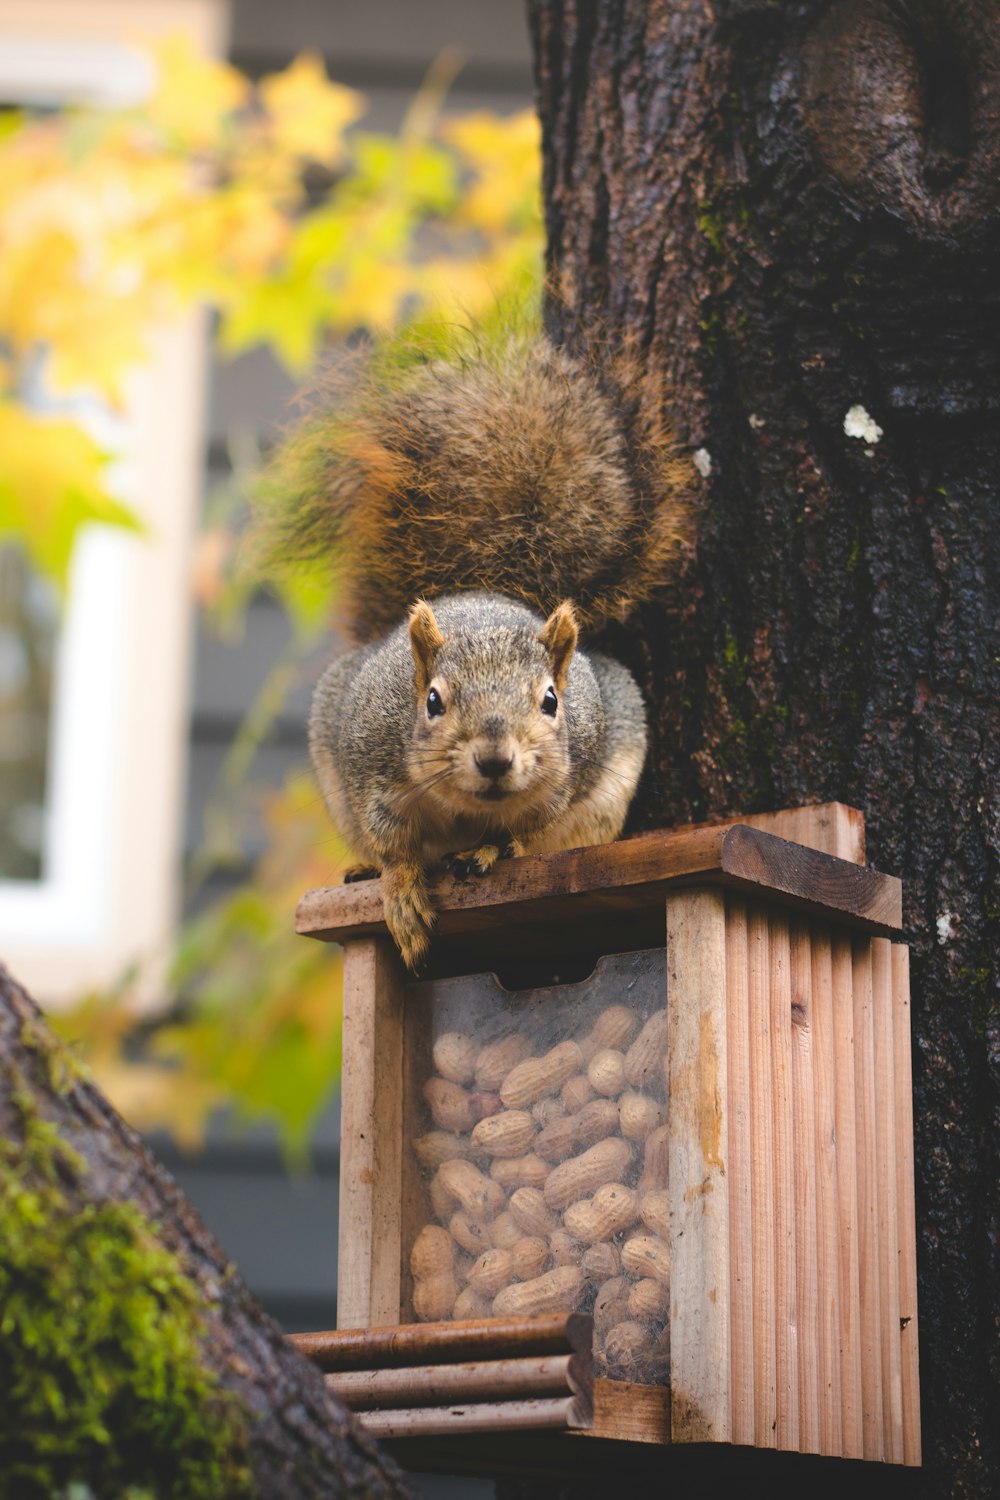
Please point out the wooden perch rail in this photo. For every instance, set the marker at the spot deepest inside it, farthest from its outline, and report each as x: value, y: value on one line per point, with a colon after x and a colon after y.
x: 446, y: 1343
x: 418, y: 1380
x: 479, y: 1380
x: 487, y: 1416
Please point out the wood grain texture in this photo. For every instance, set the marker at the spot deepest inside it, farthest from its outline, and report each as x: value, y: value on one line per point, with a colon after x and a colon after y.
x: 610, y: 888
x: 827, y: 1234
x: 868, y: 1208
x: 762, y: 1186
x: 368, y: 1287
x: 847, y: 1197
x: 888, y: 1213
x: 785, y: 1312
x: 478, y: 1416
x: 476, y: 1380
x: 696, y: 1174
x: 738, y: 1172
x: 804, y: 1176
x: 447, y: 1342
x: 631, y: 1413
x: 830, y: 827
x: 905, y: 1207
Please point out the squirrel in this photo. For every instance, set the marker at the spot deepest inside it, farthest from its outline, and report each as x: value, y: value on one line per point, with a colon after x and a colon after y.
x: 481, y: 511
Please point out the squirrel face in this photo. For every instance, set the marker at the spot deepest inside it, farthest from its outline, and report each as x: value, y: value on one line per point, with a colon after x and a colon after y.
x: 490, y: 738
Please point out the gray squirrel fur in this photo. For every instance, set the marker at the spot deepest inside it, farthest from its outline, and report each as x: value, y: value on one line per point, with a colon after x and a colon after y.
x: 476, y: 495
x: 404, y: 788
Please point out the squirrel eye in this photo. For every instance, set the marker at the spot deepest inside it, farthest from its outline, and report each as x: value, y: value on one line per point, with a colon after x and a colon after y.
x: 435, y: 707
x: 550, y: 703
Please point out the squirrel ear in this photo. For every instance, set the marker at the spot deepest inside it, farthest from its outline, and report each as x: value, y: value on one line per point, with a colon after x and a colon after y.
x: 425, y: 642
x: 559, y: 637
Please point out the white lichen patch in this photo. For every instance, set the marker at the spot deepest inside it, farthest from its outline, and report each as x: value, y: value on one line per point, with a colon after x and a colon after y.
x: 703, y: 462
x: 947, y: 926
x: 755, y: 422
x: 858, y: 424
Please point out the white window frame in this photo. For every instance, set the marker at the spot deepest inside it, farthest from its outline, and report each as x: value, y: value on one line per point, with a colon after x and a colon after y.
x: 109, y: 892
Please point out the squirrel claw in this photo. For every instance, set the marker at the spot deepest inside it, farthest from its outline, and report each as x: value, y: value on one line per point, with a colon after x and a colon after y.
x: 459, y: 865
x: 360, y: 872
x: 478, y: 862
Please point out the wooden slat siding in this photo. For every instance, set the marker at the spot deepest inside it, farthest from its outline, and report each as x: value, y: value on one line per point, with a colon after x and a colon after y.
x: 805, y: 1180
x: 888, y: 1217
x: 867, y: 1174
x: 785, y: 1310
x: 696, y: 1173
x: 847, y: 1197
x: 738, y: 1172
x: 827, y: 1240
x: 603, y: 884
x: 906, y: 1213
x: 762, y: 1189
x: 368, y: 1289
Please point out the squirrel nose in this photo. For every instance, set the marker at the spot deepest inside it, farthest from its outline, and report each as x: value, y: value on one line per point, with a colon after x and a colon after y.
x: 493, y: 766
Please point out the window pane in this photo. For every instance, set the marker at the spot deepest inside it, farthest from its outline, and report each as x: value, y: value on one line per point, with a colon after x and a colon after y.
x: 28, y: 621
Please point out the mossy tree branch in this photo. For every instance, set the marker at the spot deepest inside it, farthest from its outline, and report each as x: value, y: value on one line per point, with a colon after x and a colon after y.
x: 134, y: 1359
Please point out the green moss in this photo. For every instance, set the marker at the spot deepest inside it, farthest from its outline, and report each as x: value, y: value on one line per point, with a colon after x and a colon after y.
x: 104, y: 1390
x: 61, y: 1067
x: 754, y: 733
x: 713, y: 228
x: 730, y: 651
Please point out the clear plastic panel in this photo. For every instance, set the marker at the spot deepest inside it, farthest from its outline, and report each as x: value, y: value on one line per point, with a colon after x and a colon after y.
x: 536, y: 1165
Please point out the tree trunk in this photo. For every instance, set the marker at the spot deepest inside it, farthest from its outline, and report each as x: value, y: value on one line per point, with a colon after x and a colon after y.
x: 794, y: 211
x: 299, y: 1440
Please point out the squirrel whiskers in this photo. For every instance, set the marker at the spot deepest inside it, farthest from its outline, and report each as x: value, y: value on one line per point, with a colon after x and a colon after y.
x: 478, y: 513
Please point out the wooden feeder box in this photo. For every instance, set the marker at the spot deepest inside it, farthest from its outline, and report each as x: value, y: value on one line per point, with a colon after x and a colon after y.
x: 665, y: 1082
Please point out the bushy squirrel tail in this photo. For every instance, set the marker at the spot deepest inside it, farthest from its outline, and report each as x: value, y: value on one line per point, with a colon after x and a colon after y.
x: 505, y: 468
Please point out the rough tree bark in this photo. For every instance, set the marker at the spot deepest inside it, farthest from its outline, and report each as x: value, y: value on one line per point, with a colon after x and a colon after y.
x: 794, y: 210
x: 302, y: 1442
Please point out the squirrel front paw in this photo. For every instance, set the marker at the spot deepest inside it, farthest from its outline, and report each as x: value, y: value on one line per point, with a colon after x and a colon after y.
x: 409, y: 914
x: 480, y: 861
x: 360, y: 872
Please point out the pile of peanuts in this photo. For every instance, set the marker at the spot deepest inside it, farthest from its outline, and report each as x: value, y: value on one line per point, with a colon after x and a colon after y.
x: 548, y: 1184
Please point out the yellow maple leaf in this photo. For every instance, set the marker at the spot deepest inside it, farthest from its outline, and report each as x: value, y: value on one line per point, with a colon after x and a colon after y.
x: 51, y: 484
x: 308, y: 113
x: 370, y: 296
x: 505, y: 153
x: 194, y: 94
x: 288, y: 311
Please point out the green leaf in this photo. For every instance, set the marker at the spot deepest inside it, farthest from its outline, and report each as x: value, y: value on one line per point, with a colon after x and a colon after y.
x: 52, y: 484
x: 289, y: 311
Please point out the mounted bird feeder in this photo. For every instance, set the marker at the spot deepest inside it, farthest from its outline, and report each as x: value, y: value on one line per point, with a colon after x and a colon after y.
x: 663, y: 1082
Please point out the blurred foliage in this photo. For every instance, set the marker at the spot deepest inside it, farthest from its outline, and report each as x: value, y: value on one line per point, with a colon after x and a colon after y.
x: 271, y: 205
